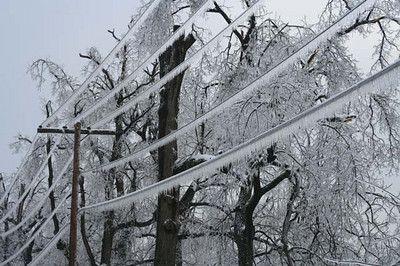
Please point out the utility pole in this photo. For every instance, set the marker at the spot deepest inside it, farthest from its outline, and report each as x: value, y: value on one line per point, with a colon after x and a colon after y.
x: 73, y: 226
x: 77, y: 131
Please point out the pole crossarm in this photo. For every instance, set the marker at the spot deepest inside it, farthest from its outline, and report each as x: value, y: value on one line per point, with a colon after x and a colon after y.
x: 65, y: 130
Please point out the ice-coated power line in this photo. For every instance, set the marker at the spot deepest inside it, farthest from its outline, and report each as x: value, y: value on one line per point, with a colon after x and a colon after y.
x: 100, y: 67
x: 181, y: 67
x: 175, y: 36
x: 33, y: 181
x: 323, y: 36
x: 244, y: 15
x: 251, y: 87
x: 38, y: 205
x: 181, y: 31
x: 187, y: 25
x: 221, y: 160
x: 309, y: 46
x: 17, y: 175
x: 85, y: 84
x: 50, y: 245
x: 172, y: 39
x: 388, y: 77
x: 35, y: 234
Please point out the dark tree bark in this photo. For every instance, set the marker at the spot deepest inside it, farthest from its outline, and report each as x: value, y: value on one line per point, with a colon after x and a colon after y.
x: 249, y: 198
x: 109, y: 232
x: 114, y: 175
x: 115, y: 179
x: 52, y: 198
x: 27, y: 254
x: 288, y: 220
x: 107, y: 239
x: 85, y: 240
x: 167, y: 211
x: 244, y: 231
x: 185, y: 203
x: 251, y: 194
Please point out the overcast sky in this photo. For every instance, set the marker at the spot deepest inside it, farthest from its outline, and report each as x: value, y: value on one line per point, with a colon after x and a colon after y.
x: 59, y: 30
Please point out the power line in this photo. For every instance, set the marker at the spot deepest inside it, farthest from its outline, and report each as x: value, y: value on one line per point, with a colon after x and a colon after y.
x: 33, y: 181
x: 84, y: 86
x: 175, y: 36
x: 18, y: 174
x: 323, y: 36
x: 385, y: 78
x: 50, y: 245
x: 186, y: 27
x: 35, y: 234
x: 244, y: 148
x: 99, y: 68
x: 244, y: 15
x: 252, y: 86
x: 181, y: 67
x: 388, y: 77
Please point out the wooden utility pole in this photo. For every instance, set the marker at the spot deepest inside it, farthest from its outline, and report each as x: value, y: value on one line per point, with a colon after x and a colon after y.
x: 73, y: 226
x: 77, y: 131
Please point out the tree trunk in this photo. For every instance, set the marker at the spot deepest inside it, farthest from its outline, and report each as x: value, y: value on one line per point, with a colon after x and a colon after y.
x: 109, y: 231
x: 107, y: 240
x: 56, y: 223
x: 249, y: 198
x: 108, y: 226
x: 244, y: 228
x: 167, y: 211
x: 85, y: 240
x: 27, y: 254
x: 52, y: 198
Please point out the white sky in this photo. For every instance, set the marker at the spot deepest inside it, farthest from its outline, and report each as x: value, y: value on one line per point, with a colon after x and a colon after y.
x: 60, y: 29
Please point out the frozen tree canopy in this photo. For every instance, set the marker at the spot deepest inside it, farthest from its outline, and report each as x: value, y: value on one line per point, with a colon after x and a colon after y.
x: 250, y: 141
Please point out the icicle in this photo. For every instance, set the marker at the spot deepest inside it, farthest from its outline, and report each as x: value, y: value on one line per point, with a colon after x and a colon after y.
x: 387, y: 77
x: 37, y: 231
x: 100, y: 67
x: 251, y: 87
